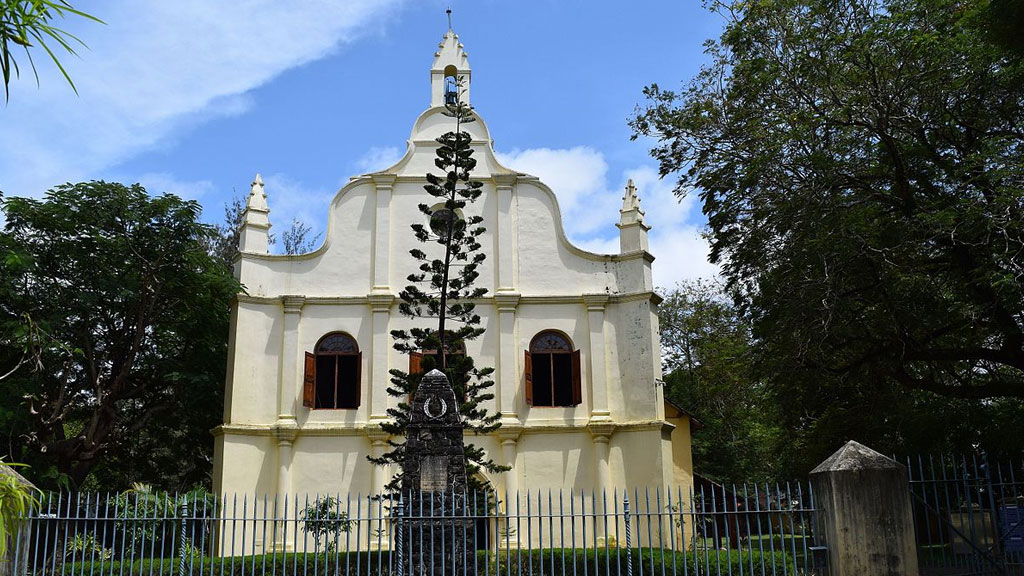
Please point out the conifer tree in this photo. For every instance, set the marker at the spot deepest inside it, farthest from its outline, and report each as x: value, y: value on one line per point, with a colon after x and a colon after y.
x: 443, y: 291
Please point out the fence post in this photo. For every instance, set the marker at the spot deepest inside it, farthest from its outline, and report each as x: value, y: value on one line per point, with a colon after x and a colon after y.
x: 399, y: 548
x: 181, y: 546
x: 629, y: 534
x: 864, y: 513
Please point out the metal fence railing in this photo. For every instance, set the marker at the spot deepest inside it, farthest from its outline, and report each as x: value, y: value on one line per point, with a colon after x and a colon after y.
x: 714, y: 530
x: 968, y: 515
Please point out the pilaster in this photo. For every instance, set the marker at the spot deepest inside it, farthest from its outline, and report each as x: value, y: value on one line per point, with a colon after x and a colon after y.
x: 378, y: 445
x: 595, y: 304
x: 380, y: 351
x: 291, y: 356
x: 508, y: 435
x: 601, y: 434
x: 285, y: 432
x: 505, y: 232
x: 381, y: 252
x: 508, y: 352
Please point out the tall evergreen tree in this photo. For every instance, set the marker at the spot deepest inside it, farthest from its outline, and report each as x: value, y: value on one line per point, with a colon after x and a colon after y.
x: 443, y: 290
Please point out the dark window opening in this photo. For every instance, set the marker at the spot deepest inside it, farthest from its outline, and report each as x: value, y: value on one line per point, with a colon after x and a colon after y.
x: 552, y: 371
x: 332, y: 377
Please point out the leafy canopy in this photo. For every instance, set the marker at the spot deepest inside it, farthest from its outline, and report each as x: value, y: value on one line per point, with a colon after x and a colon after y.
x: 757, y: 430
x: 707, y: 354
x: 130, y: 314
x: 861, y: 165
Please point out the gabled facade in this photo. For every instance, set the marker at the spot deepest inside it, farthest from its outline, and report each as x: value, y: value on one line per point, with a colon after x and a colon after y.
x: 573, y: 336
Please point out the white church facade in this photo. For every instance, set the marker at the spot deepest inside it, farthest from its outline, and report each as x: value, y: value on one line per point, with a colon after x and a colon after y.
x: 573, y: 336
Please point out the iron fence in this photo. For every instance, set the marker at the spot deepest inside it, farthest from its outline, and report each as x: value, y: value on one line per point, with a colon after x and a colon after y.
x: 968, y: 515
x: 716, y: 530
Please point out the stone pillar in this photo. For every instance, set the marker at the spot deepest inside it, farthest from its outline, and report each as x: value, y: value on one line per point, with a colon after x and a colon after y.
x: 507, y: 379
x: 598, y: 362
x: 382, y: 233
x: 864, y: 514
x: 380, y: 350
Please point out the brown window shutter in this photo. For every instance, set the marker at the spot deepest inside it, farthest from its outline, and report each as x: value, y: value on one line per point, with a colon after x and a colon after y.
x: 528, y: 369
x: 359, y: 380
x: 309, y: 382
x: 577, y: 388
x: 415, y: 358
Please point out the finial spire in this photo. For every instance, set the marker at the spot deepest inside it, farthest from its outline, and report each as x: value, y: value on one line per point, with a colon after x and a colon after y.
x: 257, y: 195
x: 632, y: 228
x: 254, y: 237
x: 449, y: 13
x: 631, y: 201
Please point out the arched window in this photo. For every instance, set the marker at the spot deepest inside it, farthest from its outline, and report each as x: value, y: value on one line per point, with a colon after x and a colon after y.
x: 333, y: 373
x: 553, y: 371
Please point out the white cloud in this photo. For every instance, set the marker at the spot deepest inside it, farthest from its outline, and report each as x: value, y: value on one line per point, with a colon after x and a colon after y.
x: 290, y: 199
x: 157, y: 183
x: 154, y: 68
x: 577, y: 176
x: 680, y: 254
x: 590, y: 200
x: 599, y: 244
x: 378, y: 158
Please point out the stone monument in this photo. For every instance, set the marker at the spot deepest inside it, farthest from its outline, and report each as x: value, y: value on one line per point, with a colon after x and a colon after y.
x: 438, y: 537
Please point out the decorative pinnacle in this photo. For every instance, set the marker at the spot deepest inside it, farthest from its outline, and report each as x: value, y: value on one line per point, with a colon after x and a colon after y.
x: 631, y: 214
x: 257, y: 195
x: 631, y: 201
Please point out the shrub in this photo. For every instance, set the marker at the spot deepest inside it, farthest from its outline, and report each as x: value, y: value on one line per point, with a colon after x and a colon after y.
x: 555, y: 561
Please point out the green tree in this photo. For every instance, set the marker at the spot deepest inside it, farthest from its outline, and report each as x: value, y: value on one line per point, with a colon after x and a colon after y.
x: 859, y: 162
x: 299, y: 238
x: 134, y: 317
x: 223, y: 243
x: 443, y: 290
x: 761, y: 432
x: 707, y: 352
x: 27, y: 24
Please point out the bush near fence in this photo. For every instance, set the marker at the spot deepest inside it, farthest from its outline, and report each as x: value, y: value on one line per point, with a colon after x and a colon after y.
x: 646, y: 561
x: 557, y: 561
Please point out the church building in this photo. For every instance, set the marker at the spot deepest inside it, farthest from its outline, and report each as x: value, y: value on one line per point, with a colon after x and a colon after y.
x: 572, y: 335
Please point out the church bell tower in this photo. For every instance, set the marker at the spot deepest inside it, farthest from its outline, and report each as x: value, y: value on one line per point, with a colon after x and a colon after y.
x: 450, y: 64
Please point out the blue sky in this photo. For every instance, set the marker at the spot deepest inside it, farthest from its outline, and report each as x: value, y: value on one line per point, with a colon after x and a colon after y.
x: 194, y: 97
